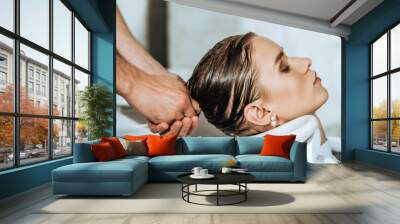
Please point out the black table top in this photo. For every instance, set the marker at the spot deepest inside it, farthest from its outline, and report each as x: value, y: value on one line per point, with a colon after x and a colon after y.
x: 220, y: 178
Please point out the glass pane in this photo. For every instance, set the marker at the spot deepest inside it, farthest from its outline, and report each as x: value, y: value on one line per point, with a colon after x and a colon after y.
x: 395, y: 94
x: 81, y: 131
x: 33, y: 139
x: 395, y: 47
x: 6, y: 142
x: 7, y: 14
x: 379, y: 55
x: 379, y: 98
x: 379, y: 135
x: 62, y: 141
x: 62, y: 29
x: 6, y: 74
x: 81, y: 45
x: 62, y: 89
x: 35, y: 21
x: 395, y: 136
x: 34, y: 94
x: 81, y: 81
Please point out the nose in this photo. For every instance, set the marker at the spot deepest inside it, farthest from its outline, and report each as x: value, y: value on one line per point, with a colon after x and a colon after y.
x: 302, y: 64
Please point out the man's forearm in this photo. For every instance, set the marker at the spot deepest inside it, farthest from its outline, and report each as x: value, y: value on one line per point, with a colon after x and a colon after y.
x: 134, y: 53
x: 127, y: 76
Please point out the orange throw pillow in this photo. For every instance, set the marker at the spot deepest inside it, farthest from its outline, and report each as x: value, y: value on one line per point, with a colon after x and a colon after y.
x: 103, y: 152
x: 116, y: 145
x: 161, y: 145
x: 277, y: 145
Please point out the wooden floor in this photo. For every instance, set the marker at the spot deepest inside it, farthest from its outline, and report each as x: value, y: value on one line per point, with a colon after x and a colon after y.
x: 378, y: 188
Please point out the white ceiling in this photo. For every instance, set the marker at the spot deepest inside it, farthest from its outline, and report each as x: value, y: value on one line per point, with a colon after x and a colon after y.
x: 326, y: 16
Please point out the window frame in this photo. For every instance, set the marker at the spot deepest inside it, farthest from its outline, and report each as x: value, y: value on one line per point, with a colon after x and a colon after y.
x: 16, y: 115
x: 388, y: 74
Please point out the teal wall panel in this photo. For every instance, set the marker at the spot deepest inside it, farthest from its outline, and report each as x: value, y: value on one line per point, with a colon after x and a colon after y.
x: 356, y: 103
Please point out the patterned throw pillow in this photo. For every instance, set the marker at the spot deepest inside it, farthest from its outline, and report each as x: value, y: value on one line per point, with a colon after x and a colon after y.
x: 134, y: 147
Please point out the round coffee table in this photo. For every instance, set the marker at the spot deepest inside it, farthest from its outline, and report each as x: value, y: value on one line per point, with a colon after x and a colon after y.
x: 238, y: 179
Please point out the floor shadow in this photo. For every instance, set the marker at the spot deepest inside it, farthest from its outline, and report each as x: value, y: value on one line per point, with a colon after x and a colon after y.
x: 255, y: 198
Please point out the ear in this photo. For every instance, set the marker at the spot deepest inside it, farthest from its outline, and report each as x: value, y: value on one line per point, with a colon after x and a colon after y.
x: 257, y: 113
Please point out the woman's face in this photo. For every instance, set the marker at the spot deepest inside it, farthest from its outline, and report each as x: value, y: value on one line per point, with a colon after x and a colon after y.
x: 289, y: 88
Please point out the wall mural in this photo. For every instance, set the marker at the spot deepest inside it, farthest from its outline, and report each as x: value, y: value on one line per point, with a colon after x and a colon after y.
x: 187, y: 71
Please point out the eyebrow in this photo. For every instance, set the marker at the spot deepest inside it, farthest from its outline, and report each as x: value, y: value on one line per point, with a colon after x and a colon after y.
x: 278, y: 57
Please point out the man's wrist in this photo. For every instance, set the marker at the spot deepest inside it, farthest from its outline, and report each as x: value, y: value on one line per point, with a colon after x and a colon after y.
x: 127, y: 77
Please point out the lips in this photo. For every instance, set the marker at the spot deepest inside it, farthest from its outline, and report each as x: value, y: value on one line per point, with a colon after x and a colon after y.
x: 316, y: 78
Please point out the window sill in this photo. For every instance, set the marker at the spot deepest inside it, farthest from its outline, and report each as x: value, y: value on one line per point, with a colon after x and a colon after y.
x: 25, y: 167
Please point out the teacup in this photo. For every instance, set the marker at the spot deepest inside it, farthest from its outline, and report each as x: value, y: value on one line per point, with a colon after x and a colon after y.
x: 203, y: 172
x: 226, y: 170
x: 196, y: 170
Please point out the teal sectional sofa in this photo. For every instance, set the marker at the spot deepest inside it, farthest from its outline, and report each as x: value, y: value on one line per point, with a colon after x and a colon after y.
x: 125, y: 176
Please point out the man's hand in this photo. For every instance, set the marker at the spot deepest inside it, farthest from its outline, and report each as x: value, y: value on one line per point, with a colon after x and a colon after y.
x: 162, y: 99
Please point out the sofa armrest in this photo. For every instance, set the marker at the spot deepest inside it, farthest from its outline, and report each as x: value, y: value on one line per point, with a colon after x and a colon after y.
x: 298, y: 155
x: 83, y: 152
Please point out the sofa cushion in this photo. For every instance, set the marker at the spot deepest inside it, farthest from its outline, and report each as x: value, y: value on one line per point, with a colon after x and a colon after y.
x: 111, y: 171
x: 103, y: 152
x: 277, y: 145
x: 185, y: 163
x: 83, y: 152
x: 257, y: 163
x: 206, y: 145
x: 116, y: 145
x: 249, y: 145
x: 161, y: 145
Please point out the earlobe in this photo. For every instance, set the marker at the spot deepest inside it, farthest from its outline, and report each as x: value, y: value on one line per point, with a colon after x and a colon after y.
x: 257, y: 114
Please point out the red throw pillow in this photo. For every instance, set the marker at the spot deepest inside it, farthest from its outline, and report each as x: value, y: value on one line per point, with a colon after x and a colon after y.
x: 161, y: 145
x: 103, y: 152
x: 116, y: 145
x: 277, y: 145
x: 136, y: 137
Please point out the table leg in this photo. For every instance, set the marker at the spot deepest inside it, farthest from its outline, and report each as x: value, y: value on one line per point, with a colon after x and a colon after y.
x: 245, y: 193
x: 217, y: 194
x: 196, y: 187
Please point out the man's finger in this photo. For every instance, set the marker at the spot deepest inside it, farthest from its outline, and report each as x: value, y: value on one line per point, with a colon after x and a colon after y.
x: 186, y: 126
x: 175, y: 128
x: 196, y: 106
x: 158, y: 128
x: 195, y: 124
x: 189, y: 110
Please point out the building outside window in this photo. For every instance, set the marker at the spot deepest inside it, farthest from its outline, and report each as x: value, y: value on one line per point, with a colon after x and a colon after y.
x: 57, y: 127
x: 385, y: 94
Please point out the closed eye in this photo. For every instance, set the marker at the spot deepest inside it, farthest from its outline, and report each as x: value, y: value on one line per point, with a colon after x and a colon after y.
x: 286, y: 69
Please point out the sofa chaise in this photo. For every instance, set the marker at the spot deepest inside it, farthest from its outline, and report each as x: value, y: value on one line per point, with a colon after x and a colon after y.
x: 125, y: 176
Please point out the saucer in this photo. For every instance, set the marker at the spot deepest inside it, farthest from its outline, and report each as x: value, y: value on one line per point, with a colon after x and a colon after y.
x: 208, y: 176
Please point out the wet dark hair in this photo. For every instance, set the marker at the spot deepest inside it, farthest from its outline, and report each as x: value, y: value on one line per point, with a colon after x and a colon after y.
x: 223, y: 83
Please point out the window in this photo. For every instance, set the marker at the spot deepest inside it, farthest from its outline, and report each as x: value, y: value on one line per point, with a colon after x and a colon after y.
x: 385, y: 94
x: 7, y: 88
x: 30, y: 87
x: 38, y: 89
x: 46, y: 76
x: 7, y: 14
x: 44, y: 91
x: 30, y: 72
x: 3, y: 61
x: 3, y: 72
x: 3, y: 78
x: 38, y: 74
